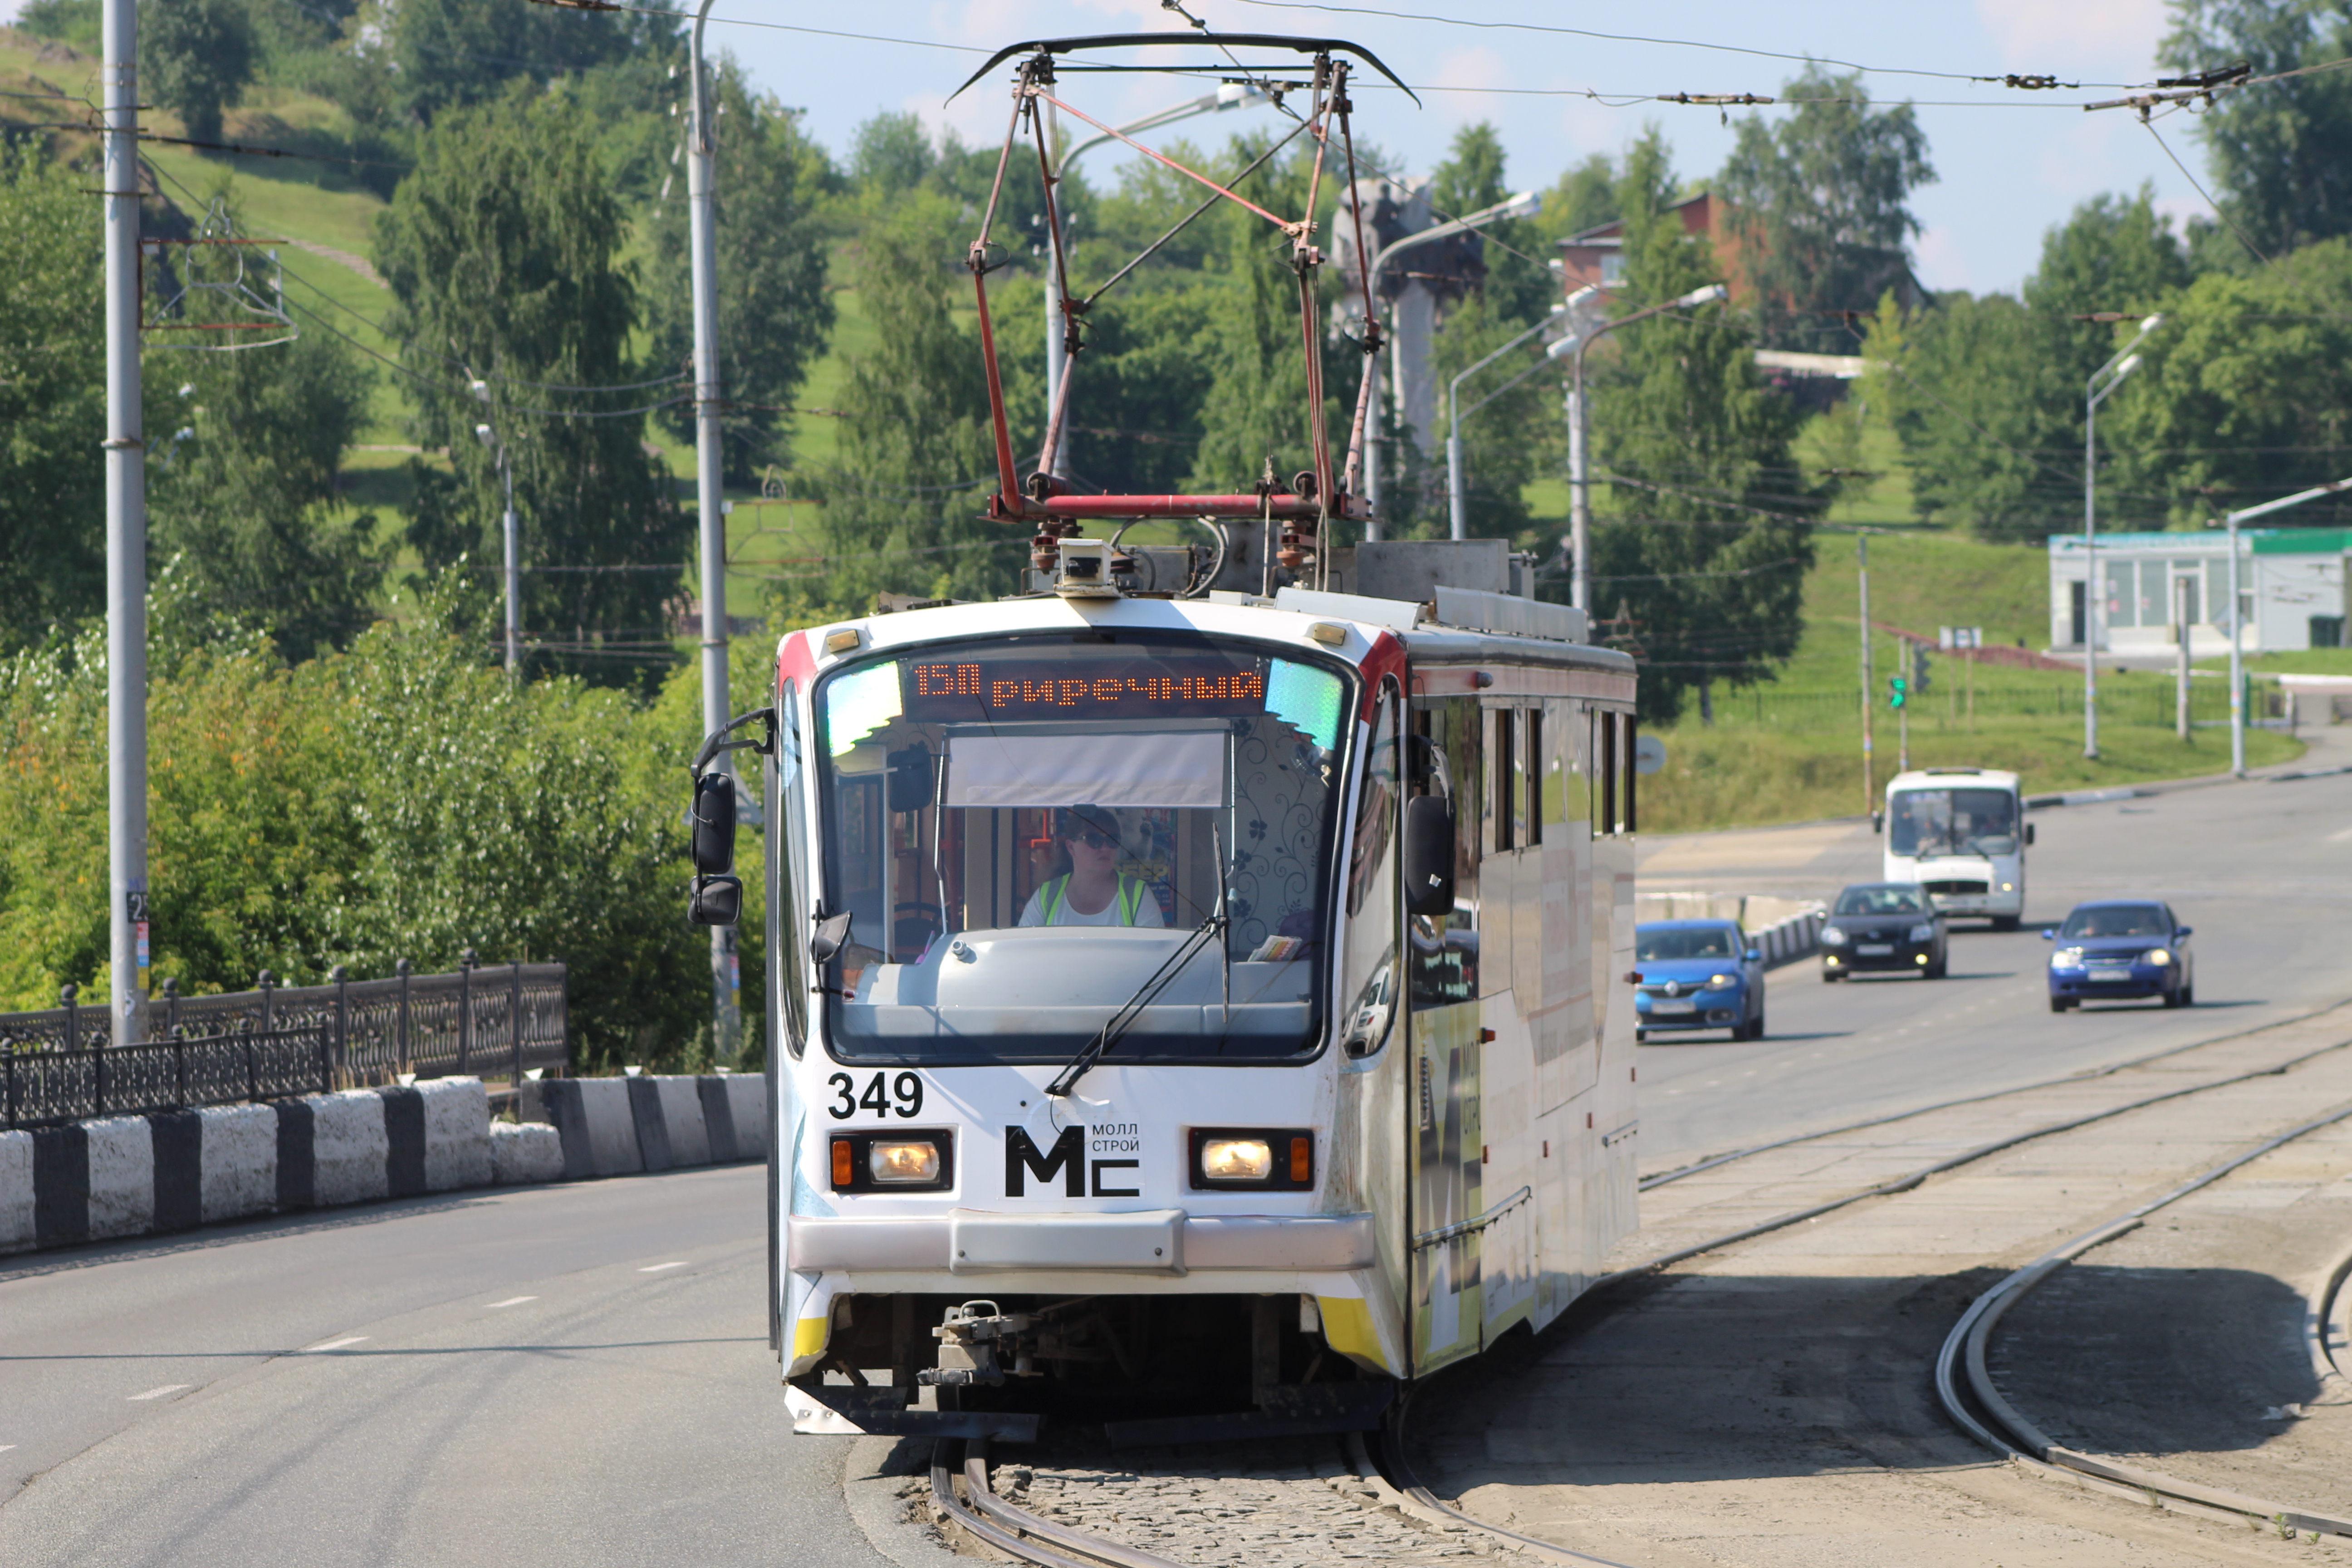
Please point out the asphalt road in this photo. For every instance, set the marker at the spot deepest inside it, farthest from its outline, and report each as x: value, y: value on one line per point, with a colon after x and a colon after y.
x: 575, y: 1374
x: 2262, y: 871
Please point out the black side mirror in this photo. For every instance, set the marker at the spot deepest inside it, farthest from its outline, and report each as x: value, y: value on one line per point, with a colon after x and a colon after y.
x: 2028, y: 833
x: 714, y: 901
x: 909, y: 786
x: 2184, y: 930
x: 2049, y: 933
x: 831, y: 935
x: 1753, y: 955
x: 714, y: 826
x: 1429, y: 855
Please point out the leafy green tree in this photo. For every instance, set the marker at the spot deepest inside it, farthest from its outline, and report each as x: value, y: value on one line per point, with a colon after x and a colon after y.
x: 2246, y: 394
x: 1700, y: 559
x: 1583, y: 197
x: 775, y: 315
x: 1518, y: 287
x: 2281, y: 153
x: 891, y: 153
x: 77, y: 24
x: 449, y: 54
x: 504, y: 252
x: 198, y: 58
x: 1819, y: 206
x: 52, y: 400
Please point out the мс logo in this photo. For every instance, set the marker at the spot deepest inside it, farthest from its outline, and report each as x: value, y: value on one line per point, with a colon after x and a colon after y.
x: 1067, y: 1159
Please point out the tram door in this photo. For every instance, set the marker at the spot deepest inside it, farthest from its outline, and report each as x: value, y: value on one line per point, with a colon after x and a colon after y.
x: 1443, y: 1135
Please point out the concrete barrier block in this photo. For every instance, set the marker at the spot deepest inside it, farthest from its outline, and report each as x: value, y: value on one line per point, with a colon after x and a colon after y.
x: 718, y: 1118
x: 348, y: 1149
x: 598, y: 1128
x: 179, y: 1138
x: 60, y: 1185
x: 653, y: 1132
x: 16, y: 1191
x: 238, y: 1148
x: 747, y: 1100
x: 456, y: 1134
x: 121, y: 1176
x: 403, y: 1141
x: 525, y: 1151
x: 682, y: 1110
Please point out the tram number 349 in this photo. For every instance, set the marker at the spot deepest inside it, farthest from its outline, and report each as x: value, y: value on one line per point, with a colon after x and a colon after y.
x: 906, y: 1088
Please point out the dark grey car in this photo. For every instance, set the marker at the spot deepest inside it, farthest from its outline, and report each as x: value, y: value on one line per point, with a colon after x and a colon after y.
x: 1883, y: 926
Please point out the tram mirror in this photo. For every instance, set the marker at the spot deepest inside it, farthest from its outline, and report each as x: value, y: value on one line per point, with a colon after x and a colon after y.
x: 714, y: 824
x: 715, y: 901
x: 1429, y: 855
x: 911, y: 778
x: 831, y: 935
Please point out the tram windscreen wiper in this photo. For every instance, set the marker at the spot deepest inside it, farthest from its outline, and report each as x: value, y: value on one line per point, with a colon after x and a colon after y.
x: 1130, y: 1010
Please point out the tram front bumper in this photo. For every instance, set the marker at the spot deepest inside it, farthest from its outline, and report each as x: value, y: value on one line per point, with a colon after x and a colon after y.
x: 1153, y: 1241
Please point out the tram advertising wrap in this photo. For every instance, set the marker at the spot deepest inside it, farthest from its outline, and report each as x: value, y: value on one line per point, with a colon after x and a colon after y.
x: 1203, y: 1008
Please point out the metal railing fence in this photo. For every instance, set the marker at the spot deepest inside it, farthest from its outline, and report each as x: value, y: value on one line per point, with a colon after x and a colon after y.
x: 496, y: 1022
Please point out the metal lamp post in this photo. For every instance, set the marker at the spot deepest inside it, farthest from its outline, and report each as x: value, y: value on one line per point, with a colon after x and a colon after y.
x: 1526, y: 204
x: 513, y: 538
x: 2237, y: 653
x: 2104, y: 380
x: 1233, y: 95
x: 1457, y: 493
x: 126, y: 537
x: 1579, y: 503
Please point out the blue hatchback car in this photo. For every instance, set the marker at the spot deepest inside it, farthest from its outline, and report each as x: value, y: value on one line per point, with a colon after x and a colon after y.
x: 2121, y: 950
x: 1697, y: 974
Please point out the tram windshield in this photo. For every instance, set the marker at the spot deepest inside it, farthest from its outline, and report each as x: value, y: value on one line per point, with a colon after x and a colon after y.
x: 1925, y: 822
x: 1029, y: 833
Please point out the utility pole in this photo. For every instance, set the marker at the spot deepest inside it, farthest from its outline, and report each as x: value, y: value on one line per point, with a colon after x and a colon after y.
x: 2104, y: 380
x: 727, y: 1017
x: 1869, y: 785
x: 2180, y: 625
x: 1903, y: 715
x: 126, y: 537
x: 2237, y: 648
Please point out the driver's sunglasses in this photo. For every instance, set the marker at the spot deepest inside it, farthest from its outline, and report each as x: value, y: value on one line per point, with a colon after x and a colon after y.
x: 1095, y: 841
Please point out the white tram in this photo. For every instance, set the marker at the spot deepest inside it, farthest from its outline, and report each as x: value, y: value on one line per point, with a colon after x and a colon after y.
x: 1193, y: 1000
x: 1132, y: 1034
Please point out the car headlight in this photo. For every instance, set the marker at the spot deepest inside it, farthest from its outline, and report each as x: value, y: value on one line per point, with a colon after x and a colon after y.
x: 2006, y: 888
x: 903, y: 1160
x: 1236, y: 1159
x: 2158, y: 957
x: 1923, y: 933
x: 1721, y: 982
x: 1833, y: 937
x: 2066, y: 957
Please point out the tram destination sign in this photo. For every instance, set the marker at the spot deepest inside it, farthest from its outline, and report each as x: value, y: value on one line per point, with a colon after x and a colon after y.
x: 1110, y: 687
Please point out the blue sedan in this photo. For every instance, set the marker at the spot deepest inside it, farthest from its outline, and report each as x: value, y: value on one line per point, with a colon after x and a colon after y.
x: 1697, y: 974
x: 2121, y: 950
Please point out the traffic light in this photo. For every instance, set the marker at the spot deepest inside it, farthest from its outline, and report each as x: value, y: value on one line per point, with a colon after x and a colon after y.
x: 1919, y: 667
x: 1899, y: 691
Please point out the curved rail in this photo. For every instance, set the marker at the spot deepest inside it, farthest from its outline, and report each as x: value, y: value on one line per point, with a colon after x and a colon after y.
x: 2007, y: 1432
x: 1398, y: 1471
x: 1002, y: 1526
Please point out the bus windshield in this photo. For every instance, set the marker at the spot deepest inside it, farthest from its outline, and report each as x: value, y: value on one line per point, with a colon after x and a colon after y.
x: 1926, y: 822
x: 1028, y: 832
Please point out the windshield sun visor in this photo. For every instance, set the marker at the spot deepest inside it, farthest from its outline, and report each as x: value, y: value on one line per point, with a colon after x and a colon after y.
x: 1113, y: 768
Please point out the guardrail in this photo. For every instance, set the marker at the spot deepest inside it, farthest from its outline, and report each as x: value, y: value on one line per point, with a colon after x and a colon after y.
x: 274, y: 1040
x: 1786, y: 942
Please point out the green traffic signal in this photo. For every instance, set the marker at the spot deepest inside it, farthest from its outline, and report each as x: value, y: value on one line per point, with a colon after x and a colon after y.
x: 1901, y: 693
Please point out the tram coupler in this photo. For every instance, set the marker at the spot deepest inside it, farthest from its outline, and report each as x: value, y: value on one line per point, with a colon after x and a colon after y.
x: 974, y: 1341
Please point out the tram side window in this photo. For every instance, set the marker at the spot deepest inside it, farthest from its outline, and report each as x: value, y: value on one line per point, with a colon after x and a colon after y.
x: 1627, y: 760
x: 1604, y: 774
x: 788, y: 853
x: 1368, y: 972
x: 1532, y: 763
x: 1443, y: 966
x: 1506, y: 781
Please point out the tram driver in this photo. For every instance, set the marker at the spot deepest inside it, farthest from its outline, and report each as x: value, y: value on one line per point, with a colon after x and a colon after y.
x: 1094, y: 893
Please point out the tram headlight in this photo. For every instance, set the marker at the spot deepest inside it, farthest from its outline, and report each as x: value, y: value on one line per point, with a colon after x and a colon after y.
x: 900, y: 1162
x: 1236, y: 1159
x: 1279, y: 1160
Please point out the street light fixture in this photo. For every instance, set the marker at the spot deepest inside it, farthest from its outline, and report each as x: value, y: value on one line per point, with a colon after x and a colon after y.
x: 2237, y: 656
x: 1457, y: 497
x: 1233, y: 95
x: 1526, y: 204
x: 1579, y: 503
x: 2104, y: 380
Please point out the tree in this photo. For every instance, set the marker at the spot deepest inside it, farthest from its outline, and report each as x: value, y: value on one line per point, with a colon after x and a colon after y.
x: 2246, y: 394
x: 198, y: 58
x: 1707, y: 534
x: 2282, y: 152
x: 452, y: 54
x: 1819, y: 206
x: 52, y: 400
x: 244, y: 491
x: 775, y: 315
x: 504, y: 252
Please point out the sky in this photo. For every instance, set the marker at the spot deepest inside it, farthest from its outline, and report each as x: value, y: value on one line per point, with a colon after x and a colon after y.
x: 2010, y: 163
x: 2008, y: 174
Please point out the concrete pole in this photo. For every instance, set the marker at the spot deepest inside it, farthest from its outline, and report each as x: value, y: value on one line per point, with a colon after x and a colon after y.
x: 514, y: 571
x: 2091, y: 576
x: 2237, y: 663
x: 1580, y: 485
x: 710, y: 468
x: 2180, y: 621
x: 1862, y: 566
x: 126, y: 537
x: 1372, y: 452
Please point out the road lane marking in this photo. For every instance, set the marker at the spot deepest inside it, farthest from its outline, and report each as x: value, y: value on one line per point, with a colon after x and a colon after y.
x: 5, y: 1446
x: 157, y: 1393
x: 333, y: 1344
x: 658, y: 1268
x: 511, y: 1301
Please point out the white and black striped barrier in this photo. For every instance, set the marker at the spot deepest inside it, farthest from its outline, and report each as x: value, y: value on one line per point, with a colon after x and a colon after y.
x: 1788, y: 940
x: 175, y: 1170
